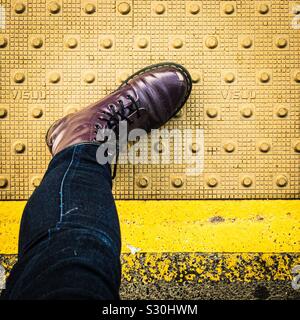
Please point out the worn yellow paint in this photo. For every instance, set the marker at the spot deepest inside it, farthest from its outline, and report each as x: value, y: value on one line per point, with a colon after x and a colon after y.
x: 190, y: 226
x: 145, y: 268
x: 196, y: 267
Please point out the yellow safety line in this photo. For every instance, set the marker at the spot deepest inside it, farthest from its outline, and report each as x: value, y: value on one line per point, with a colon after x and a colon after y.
x: 190, y: 226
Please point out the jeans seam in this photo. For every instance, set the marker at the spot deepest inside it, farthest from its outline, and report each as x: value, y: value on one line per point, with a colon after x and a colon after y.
x: 61, y: 196
x: 62, y: 185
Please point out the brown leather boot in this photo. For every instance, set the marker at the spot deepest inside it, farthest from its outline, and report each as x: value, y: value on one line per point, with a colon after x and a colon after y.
x: 146, y: 100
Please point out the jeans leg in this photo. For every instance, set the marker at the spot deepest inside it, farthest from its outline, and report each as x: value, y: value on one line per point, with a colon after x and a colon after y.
x: 69, y: 242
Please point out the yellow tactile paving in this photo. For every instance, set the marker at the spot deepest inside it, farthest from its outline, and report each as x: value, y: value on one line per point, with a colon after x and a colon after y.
x: 59, y: 56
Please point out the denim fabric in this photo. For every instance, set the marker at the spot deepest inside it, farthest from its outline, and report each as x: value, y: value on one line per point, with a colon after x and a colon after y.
x: 69, y: 242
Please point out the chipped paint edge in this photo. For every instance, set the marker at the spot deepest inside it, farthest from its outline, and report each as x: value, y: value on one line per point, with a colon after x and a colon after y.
x: 147, y: 268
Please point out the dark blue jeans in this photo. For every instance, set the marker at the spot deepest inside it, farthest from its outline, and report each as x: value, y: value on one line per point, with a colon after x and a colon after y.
x: 69, y: 242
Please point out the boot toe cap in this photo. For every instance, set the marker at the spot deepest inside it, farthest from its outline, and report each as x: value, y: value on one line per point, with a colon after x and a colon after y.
x: 178, y: 85
x: 162, y: 89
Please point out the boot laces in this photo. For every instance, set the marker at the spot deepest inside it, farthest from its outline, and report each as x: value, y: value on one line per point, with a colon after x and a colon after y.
x: 116, y: 114
x: 113, y: 116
